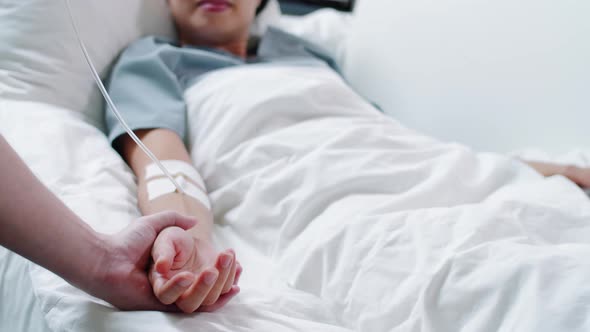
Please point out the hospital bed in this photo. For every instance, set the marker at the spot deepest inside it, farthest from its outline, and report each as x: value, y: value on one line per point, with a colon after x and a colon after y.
x: 349, y: 222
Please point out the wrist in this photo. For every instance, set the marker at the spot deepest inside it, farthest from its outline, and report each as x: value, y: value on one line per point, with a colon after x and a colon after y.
x: 90, y: 266
x: 202, y: 232
x: 202, y: 239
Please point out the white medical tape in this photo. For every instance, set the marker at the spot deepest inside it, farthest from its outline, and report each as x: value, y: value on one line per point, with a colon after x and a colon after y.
x: 176, y: 168
x: 162, y: 186
x: 185, y: 175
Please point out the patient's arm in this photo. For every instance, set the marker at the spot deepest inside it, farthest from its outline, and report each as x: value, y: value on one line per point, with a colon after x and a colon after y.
x: 579, y: 175
x: 188, y: 270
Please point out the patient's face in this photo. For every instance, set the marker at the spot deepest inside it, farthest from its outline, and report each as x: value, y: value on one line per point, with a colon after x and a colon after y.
x: 213, y: 22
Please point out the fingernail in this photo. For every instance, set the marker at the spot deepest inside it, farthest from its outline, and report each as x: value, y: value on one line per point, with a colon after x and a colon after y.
x: 210, y: 278
x: 226, y: 261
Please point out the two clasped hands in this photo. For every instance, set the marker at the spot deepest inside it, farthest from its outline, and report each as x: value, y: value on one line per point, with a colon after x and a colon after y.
x: 155, y: 264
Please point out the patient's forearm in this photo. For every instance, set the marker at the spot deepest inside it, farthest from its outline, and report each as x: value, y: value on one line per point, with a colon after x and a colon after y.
x: 166, y: 145
x: 550, y: 169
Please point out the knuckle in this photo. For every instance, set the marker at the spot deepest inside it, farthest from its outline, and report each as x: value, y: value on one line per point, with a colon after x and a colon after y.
x: 169, y: 215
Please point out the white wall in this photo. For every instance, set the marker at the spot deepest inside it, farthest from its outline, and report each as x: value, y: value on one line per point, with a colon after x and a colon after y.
x: 497, y: 75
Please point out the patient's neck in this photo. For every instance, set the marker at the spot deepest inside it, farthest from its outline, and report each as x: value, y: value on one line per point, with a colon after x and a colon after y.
x: 239, y: 47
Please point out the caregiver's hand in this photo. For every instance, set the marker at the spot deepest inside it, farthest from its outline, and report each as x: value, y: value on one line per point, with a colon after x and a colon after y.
x: 189, y: 272
x: 35, y: 224
x: 122, y: 270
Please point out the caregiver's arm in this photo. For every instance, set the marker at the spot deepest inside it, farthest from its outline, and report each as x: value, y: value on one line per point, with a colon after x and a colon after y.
x: 579, y: 175
x: 193, y: 258
x: 37, y: 225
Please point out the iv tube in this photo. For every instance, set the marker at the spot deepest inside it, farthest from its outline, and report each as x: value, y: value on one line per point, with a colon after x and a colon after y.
x: 112, y: 106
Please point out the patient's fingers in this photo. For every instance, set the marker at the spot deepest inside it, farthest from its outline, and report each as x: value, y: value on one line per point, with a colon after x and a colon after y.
x: 223, y: 300
x: 239, y: 270
x: 231, y: 276
x: 171, y: 290
x: 192, y: 299
x: 163, y: 254
x: 224, y: 264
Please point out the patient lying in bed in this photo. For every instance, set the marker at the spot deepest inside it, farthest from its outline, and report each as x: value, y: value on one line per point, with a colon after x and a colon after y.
x: 148, y: 84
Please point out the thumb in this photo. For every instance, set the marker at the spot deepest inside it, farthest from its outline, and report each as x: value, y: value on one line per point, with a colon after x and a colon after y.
x: 163, y: 254
x: 162, y: 220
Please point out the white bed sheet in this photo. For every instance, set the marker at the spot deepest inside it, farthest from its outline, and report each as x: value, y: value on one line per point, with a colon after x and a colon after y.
x: 19, y: 310
x: 74, y: 160
x: 343, y: 219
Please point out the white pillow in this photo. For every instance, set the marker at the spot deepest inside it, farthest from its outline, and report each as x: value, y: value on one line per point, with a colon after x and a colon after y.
x: 497, y: 75
x: 41, y: 60
x: 269, y: 16
x: 326, y: 27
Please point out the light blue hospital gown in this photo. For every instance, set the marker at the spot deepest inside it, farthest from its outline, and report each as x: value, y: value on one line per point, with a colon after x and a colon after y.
x: 148, y: 82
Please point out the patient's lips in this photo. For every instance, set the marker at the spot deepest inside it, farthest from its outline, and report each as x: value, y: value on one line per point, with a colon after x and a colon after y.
x: 214, y: 5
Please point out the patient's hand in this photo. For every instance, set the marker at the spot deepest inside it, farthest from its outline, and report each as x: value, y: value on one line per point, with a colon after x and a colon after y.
x: 190, y: 273
x: 578, y: 175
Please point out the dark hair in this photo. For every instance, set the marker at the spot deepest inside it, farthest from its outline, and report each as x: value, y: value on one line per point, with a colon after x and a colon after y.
x: 261, y: 7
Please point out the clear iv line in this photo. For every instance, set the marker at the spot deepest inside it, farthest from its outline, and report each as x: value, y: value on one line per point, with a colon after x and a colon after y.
x: 112, y: 106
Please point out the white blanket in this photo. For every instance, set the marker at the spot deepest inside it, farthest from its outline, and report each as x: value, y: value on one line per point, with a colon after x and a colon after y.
x: 343, y: 219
